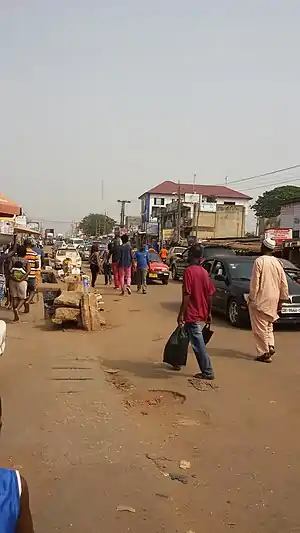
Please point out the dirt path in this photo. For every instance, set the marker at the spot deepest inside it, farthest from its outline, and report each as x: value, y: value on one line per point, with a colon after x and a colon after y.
x: 88, y: 440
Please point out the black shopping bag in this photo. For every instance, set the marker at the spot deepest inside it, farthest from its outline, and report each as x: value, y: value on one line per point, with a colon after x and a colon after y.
x: 175, y: 352
x: 207, y: 333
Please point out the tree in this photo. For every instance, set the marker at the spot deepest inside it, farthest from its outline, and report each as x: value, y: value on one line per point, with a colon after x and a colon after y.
x: 268, y: 204
x: 96, y: 224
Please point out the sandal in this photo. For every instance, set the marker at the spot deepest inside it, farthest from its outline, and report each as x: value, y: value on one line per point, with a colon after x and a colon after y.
x: 264, y: 358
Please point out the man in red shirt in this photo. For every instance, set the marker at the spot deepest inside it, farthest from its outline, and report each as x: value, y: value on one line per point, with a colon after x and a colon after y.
x: 197, y: 291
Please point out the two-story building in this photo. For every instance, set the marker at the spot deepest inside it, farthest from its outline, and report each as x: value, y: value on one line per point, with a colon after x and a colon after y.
x: 197, y: 197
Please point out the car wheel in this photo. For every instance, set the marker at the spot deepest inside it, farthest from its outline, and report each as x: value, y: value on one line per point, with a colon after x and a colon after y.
x: 165, y: 281
x: 233, y: 313
x: 174, y: 273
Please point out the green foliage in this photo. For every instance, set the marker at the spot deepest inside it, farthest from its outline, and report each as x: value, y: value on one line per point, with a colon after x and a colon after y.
x: 96, y: 224
x: 268, y: 204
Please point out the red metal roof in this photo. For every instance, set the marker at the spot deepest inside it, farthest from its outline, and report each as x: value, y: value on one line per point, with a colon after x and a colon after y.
x: 7, y: 207
x: 170, y: 187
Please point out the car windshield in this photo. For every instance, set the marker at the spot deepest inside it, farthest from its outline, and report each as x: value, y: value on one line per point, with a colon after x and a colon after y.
x: 153, y: 257
x: 212, y: 251
x: 241, y: 269
x: 178, y: 250
x: 293, y: 273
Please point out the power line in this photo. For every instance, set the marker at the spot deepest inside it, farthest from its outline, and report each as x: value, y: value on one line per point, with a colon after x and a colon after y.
x: 278, y: 183
x: 270, y: 173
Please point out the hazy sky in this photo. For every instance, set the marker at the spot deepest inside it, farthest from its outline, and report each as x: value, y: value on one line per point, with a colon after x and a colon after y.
x: 134, y: 92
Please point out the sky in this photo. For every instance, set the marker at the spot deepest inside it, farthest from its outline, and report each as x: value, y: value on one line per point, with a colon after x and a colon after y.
x: 129, y: 93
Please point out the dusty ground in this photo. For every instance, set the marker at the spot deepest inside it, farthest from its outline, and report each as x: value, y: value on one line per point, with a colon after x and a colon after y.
x: 88, y: 440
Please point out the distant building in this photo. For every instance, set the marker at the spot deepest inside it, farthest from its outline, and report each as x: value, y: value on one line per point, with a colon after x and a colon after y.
x: 204, y: 198
x: 212, y: 221
x: 132, y: 223
x: 290, y: 216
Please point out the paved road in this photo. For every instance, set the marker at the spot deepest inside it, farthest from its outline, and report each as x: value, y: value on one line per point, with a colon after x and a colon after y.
x: 89, y: 440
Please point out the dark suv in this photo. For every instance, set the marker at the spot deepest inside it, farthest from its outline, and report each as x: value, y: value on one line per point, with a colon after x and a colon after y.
x: 208, y: 250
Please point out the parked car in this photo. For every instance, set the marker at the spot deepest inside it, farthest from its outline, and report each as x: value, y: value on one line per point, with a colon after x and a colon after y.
x: 174, y: 252
x: 70, y: 252
x: 231, y: 277
x: 157, y: 269
x: 180, y: 263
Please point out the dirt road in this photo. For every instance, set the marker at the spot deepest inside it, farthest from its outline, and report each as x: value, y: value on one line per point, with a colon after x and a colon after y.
x: 89, y: 440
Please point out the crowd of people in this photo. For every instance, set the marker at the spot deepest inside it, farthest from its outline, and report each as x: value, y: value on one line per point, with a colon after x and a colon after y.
x: 119, y: 261
x: 20, y: 267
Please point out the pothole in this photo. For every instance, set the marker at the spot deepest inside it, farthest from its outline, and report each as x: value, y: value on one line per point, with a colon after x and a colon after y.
x: 119, y: 382
x: 156, y: 398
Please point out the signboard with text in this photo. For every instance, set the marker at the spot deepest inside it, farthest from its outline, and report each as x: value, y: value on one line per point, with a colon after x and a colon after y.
x: 279, y: 234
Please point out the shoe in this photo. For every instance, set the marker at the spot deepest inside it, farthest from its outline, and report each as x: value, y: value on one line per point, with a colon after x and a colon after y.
x: 26, y: 308
x: 128, y: 289
x: 271, y: 350
x: 122, y: 293
x: 144, y: 292
x: 204, y: 376
x: 264, y: 358
x: 138, y: 290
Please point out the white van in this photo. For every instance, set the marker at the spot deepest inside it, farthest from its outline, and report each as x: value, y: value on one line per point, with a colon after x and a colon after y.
x: 76, y: 241
x: 69, y: 252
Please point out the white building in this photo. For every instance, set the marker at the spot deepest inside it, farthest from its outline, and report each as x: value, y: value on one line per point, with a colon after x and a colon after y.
x: 205, y: 195
x: 290, y: 217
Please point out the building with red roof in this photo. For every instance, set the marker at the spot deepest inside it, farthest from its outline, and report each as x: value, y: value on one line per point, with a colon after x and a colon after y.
x: 155, y: 199
x: 8, y: 208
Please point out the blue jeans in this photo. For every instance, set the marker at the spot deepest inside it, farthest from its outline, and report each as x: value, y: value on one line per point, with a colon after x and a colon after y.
x: 194, y: 331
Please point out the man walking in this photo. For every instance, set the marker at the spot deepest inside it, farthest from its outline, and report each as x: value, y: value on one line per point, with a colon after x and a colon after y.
x: 34, y: 262
x: 114, y: 256
x: 268, y: 288
x: 197, y: 291
x: 142, y: 263
x: 125, y: 264
x: 19, y: 273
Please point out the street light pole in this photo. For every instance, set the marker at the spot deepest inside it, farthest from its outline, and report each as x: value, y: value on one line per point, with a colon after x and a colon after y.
x: 122, y: 213
x: 179, y: 212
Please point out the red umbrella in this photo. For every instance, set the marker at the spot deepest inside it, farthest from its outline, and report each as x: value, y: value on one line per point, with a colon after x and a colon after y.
x: 7, y: 207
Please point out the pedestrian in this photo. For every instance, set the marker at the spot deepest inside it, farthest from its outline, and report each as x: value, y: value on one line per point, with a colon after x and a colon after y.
x: 35, y: 273
x: 114, y: 255
x: 19, y: 273
x: 125, y: 263
x: 95, y: 263
x: 15, y: 514
x: 106, y: 262
x: 39, y: 250
x: 268, y: 289
x: 163, y: 254
x: 5, y: 259
x: 197, y: 292
x: 142, y: 264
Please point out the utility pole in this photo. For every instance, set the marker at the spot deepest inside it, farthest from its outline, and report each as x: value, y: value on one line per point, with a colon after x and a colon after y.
x: 194, y: 182
x: 179, y: 212
x: 104, y: 229
x: 122, y: 213
x: 226, y: 180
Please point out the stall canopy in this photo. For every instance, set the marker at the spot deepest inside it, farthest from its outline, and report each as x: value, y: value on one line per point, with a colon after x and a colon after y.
x: 7, y: 207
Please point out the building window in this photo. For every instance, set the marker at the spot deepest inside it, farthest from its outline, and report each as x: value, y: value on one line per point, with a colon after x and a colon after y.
x: 229, y: 203
x: 159, y: 201
x: 295, y: 234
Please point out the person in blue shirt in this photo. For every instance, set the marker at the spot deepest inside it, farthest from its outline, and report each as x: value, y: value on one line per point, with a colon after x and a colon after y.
x: 142, y: 263
x: 15, y: 515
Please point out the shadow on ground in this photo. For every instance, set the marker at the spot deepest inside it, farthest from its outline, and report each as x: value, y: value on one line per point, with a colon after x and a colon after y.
x: 142, y: 369
x: 230, y: 354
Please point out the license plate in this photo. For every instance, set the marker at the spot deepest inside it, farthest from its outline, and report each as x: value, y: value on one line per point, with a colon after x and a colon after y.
x: 152, y: 275
x: 290, y: 310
